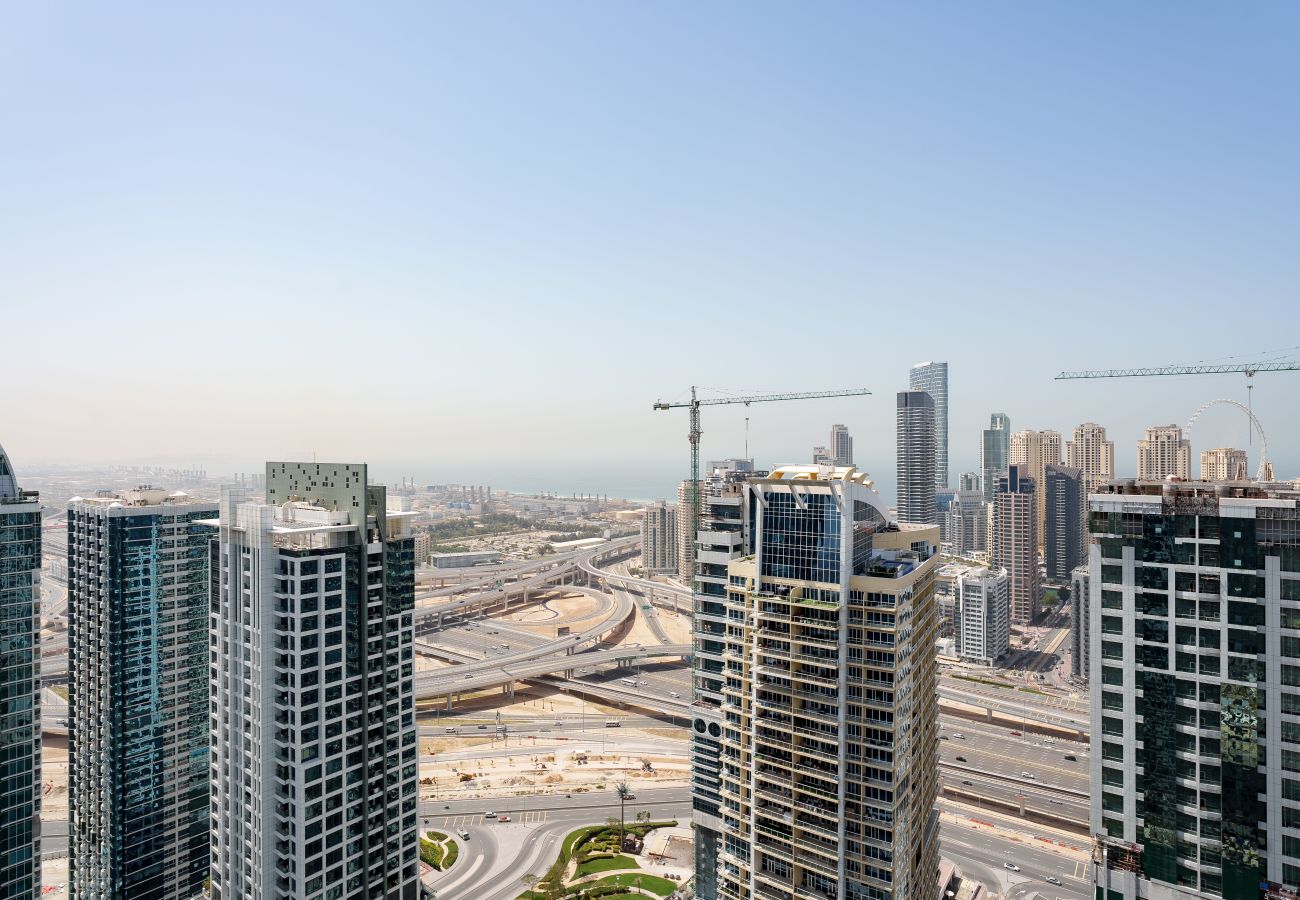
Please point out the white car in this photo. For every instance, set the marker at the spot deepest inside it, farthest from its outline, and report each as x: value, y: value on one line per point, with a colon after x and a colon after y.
x: 1029, y: 775
x: 1011, y: 867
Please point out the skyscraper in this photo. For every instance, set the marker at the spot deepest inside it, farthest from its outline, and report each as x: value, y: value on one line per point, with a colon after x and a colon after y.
x: 20, y: 688
x: 1195, y: 634
x: 1092, y: 454
x: 983, y: 620
x: 138, y: 695
x: 828, y: 705
x: 841, y: 446
x: 1164, y: 452
x: 968, y: 523
x: 915, y: 446
x: 932, y: 377
x: 313, y: 741
x: 659, y: 538
x: 1064, y: 541
x: 685, y: 539
x: 995, y: 452
x: 1034, y: 451
x: 1223, y: 464
x: 1015, y: 542
x: 1079, y: 620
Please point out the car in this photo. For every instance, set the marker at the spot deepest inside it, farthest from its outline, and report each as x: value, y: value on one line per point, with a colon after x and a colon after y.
x: 1070, y: 757
x: 463, y: 834
x: 1055, y: 802
x: 959, y: 736
x: 630, y: 797
x: 558, y: 722
x: 1029, y: 775
x: 967, y: 783
x: 503, y: 818
x: 489, y: 815
x: 1011, y: 867
x: 482, y: 727
x: 673, y: 694
x: 943, y: 737
x: 1016, y: 734
x: 1052, y: 879
x: 961, y: 759
x: 449, y: 730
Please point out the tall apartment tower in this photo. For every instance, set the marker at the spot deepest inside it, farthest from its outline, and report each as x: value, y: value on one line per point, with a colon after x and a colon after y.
x: 313, y: 738
x: 1092, y: 454
x: 1064, y: 541
x: 841, y: 446
x: 968, y: 523
x: 827, y: 722
x: 1195, y: 634
x: 20, y: 688
x: 138, y: 695
x: 995, y: 452
x: 983, y: 619
x: 685, y: 541
x: 1163, y: 453
x: 1223, y: 464
x: 1034, y: 451
x: 916, y: 459
x: 1015, y: 542
x: 932, y: 377
x: 659, y: 538
x: 1079, y: 603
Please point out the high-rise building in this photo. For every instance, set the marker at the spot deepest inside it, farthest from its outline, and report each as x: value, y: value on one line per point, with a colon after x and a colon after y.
x: 932, y: 377
x: 915, y: 445
x: 841, y: 446
x: 983, y: 619
x: 1092, y: 454
x: 1223, y: 464
x: 995, y: 452
x: 822, y: 456
x: 1164, y: 453
x: 729, y: 465
x: 1064, y: 541
x: 1034, y: 451
x: 968, y: 523
x: 970, y: 481
x: 313, y: 740
x: 659, y: 542
x: 685, y: 540
x: 827, y: 706
x: 138, y: 695
x: 1079, y: 618
x: 20, y: 688
x: 1195, y: 635
x: 1015, y: 542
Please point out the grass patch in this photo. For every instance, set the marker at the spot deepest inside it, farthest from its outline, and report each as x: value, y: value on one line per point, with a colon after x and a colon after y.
x: 430, y: 853
x: 61, y: 690
x: 1029, y: 690
x: 453, y: 851
x: 989, y: 681
x: 661, y: 886
x: 606, y: 864
x: 437, y: 836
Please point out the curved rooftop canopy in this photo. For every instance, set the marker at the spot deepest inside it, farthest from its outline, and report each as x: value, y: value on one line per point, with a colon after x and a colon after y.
x: 8, y: 485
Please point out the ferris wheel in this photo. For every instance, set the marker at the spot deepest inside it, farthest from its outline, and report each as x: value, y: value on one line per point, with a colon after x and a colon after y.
x: 1263, y: 440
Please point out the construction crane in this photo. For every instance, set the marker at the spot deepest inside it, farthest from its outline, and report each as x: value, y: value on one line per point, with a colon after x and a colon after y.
x: 1249, y: 369
x: 693, y: 435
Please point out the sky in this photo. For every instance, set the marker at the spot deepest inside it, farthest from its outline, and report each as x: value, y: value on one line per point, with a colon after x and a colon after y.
x: 476, y: 242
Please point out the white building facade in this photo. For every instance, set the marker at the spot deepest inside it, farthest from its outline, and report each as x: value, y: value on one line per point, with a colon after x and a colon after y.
x: 1164, y: 453
x: 983, y: 623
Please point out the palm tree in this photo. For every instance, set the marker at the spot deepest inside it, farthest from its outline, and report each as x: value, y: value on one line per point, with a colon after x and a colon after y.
x: 623, y: 791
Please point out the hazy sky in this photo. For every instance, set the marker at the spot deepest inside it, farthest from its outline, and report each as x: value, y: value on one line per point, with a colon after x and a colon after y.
x: 466, y: 240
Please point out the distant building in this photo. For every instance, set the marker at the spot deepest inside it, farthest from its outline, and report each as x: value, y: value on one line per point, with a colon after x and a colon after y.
x: 464, y: 560
x: 1164, y: 453
x: 1015, y: 543
x: 970, y: 481
x: 967, y: 523
x: 1079, y: 614
x: 1034, y: 451
x: 1223, y: 464
x: 685, y: 542
x: 659, y: 538
x: 995, y: 452
x: 20, y: 688
x: 423, y: 547
x: 1066, y: 518
x: 916, y: 459
x: 822, y: 456
x: 982, y: 615
x: 932, y: 377
x: 727, y: 466
x: 1092, y: 454
x: 138, y: 694
x: 841, y: 446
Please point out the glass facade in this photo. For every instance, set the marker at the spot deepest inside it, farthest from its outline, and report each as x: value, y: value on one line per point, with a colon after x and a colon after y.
x: 138, y: 657
x: 801, y: 537
x: 20, y: 737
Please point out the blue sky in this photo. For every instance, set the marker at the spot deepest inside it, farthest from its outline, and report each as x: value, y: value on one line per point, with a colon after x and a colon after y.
x: 469, y: 239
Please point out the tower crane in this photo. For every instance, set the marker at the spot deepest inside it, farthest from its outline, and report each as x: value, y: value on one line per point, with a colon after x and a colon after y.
x: 693, y: 435
x: 1249, y: 369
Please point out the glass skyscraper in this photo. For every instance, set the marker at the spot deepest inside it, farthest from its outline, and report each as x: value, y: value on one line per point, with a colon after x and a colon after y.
x: 995, y: 452
x: 932, y: 377
x: 137, y: 700
x: 20, y: 689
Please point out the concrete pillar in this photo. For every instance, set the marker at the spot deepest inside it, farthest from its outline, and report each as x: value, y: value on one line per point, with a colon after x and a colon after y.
x: 449, y: 696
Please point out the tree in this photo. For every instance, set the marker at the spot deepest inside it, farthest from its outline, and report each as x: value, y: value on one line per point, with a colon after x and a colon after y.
x: 623, y: 791
x: 529, y: 880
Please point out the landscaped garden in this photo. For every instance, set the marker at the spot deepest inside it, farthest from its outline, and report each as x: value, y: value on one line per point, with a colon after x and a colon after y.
x: 592, y: 866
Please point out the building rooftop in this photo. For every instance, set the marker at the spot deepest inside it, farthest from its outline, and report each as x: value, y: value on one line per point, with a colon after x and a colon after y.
x: 1243, y: 490
x: 143, y: 496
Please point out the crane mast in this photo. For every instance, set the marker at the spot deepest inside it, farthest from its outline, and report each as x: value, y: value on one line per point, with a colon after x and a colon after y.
x: 693, y: 435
